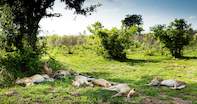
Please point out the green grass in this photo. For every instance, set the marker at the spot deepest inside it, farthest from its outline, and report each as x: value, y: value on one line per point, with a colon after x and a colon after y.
x: 137, y: 71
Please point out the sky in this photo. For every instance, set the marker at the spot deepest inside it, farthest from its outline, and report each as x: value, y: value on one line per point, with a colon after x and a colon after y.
x: 112, y: 12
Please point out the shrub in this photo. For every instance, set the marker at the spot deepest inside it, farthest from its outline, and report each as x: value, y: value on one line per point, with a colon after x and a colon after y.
x: 16, y: 64
x: 6, y: 78
x: 115, y: 41
x: 93, y: 44
x: 177, y: 35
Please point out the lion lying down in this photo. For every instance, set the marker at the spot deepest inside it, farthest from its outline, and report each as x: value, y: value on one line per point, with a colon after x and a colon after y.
x: 37, y: 78
x: 101, y: 83
x: 82, y: 81
x: 122, y: 89
x: 173, y: 84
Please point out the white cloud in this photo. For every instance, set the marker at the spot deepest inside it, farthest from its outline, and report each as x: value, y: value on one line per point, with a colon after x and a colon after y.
x: 192, y: 17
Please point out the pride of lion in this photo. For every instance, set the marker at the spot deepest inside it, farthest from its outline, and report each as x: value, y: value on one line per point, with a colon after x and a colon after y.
x: 79, y: 80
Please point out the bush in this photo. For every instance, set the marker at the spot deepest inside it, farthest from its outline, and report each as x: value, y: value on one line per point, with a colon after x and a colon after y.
x: 6, y: 78
x: 93, y: 44
x: 18, y: 64
x: 114, y: 41
x: 174, y: 37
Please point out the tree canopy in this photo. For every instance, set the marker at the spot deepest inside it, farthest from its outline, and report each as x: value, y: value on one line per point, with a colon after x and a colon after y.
x: 20, y: 25
x: 131, y: 20
x: 28, y: 13
x: 175, y: 36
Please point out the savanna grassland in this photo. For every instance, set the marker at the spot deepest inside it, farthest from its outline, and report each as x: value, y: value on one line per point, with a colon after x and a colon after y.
x: 122, y: 54
x: 136, y: 71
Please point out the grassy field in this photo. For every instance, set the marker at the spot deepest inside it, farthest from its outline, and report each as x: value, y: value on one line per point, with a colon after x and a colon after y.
x: 137, y: 71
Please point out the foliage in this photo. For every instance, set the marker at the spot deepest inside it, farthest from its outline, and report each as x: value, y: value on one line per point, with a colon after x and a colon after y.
x: 15, y: 59
x: 5, y: 77
x: 94, y: 28
x: 15, y: 63
x: 94, y: 41
x: 193, y: 43
x: 19, y: 21
x: 7, y: 28
x: 114, y: 41
x: 133, y: 20
x: 177, y: 35
x: 69, y: 42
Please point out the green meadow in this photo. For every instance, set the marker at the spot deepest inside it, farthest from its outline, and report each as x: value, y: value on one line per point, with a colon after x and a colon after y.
x: 136, y: 71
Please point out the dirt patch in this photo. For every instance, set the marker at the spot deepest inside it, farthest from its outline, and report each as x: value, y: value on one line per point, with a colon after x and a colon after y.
x: 75, y: 94
x: 181, y: 101
x: 152, y: 100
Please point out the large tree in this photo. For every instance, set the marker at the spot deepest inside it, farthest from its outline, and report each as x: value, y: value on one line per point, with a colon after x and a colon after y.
x: 175, y: 36
x: 133, y: 20
x: 28, y: 13
x: 21, y: 29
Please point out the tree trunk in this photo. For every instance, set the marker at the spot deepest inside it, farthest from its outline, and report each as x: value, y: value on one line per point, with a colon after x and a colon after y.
x: 177, y: 53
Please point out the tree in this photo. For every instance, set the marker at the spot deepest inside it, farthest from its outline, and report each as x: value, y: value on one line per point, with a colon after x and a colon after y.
x: 114, y: 41
x: 21, y: 29
x: 131, y: 20
x: 94, y: 28
x: 175, y: 36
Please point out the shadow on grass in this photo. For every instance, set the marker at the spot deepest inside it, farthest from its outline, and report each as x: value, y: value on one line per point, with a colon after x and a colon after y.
x: 139, y: 61
x: 190, y: 92
x: 56, y: 65
x: 101, y: 96
x: 143, y: 80
x: 96, y: 74
x: 188, y: 57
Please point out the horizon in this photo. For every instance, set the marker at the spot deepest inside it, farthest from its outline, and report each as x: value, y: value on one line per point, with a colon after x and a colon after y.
x: 112, y: 12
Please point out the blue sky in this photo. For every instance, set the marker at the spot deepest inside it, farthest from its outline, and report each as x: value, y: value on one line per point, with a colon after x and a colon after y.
x: 113, y: 11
